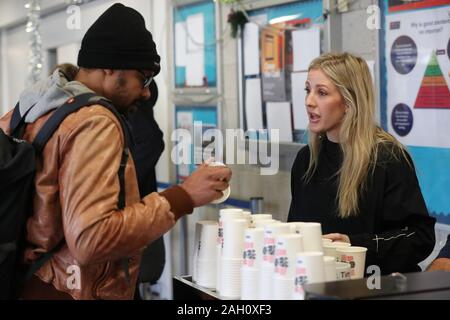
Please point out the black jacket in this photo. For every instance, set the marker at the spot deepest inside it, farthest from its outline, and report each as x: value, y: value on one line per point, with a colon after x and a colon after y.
x: 393, y: 222
x: 146, y: 148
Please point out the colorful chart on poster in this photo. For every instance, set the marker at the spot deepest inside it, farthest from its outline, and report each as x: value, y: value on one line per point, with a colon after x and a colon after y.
x: 433, y: 92
x: 416, y: 90
x: 417, y: 71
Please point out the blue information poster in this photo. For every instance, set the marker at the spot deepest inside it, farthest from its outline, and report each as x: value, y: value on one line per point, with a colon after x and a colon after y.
x: 192, y: 137
x: 415, y: 91
x: 195, y: 45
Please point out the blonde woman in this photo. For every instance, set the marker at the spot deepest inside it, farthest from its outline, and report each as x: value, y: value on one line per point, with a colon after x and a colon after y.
x: 354, y: 178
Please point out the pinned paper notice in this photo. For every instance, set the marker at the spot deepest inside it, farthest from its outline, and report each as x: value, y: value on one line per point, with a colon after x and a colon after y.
x: 279, y: 117
x: 298, y: 100
x: 195, y: 50
x: 180, y: 44
x: 253, y: 104
x: 306, y: 47
x: 251, y: 49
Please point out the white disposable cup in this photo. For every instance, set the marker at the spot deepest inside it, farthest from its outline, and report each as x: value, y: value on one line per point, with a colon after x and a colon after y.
x: 295, y: 226
x: 312, y: 236
x: 286, y: 249
x: 343, y: 271
x: 231, y: 211
x: 253, y: 244
x: 283, y: 288
x: 205, y: 231
x: 226, y: 193
x: 330, y: 268
x: 311, y: 265
x: 233, y: 238
x: 270, y: 233
x: 263, y: 222
x: 329, y: 249
x: 356, y: 256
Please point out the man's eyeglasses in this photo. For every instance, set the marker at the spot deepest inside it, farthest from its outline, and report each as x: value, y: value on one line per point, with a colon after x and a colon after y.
x: 147, y: 79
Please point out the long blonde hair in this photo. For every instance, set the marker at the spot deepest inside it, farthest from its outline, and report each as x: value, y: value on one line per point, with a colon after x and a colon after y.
x: 359, y: 135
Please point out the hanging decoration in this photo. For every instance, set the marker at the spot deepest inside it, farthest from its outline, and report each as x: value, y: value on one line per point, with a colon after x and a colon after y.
x: 236, y: 18
x: 32, y: 27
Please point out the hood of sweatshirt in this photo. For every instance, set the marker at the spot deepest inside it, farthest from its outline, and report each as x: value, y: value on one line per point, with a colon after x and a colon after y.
x: 48, y: 94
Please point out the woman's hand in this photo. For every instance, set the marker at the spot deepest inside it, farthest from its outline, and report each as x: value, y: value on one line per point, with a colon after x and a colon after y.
x: 337, y: 237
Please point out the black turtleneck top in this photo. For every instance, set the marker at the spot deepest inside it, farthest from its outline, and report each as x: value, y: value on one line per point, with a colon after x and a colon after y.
x: 393, y: 221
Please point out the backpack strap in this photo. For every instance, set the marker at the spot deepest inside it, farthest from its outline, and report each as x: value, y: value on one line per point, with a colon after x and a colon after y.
x: 17, y: 123
x: 46, y: 132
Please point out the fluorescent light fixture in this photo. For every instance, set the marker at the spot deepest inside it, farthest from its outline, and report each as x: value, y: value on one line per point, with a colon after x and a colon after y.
x: 285, y: 18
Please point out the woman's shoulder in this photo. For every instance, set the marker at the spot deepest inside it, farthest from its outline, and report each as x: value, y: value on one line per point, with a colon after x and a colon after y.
x: 392, y: 154
x: 303, y: 153
x: 302, y: 158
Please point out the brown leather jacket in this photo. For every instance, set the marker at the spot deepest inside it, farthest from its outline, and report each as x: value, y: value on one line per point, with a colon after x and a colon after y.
x: 77, y: 189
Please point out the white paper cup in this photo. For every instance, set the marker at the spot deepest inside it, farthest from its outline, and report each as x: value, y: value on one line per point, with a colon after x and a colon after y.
x: 283, y: 288
x: 286, y: 249
x: 330, y: 268
x: 253, y: 244
x: 226, y: 193
x: 356, y: 256
x: 311, y: 266
x: 263, y: 222
x: 233, y: 238
x: 343, y: 271
x: 207, y: 243
x: 271, y: 231
x: 329, y: 248
x: 231, y: 211
x: 312, y: 236
x: 249, y: 283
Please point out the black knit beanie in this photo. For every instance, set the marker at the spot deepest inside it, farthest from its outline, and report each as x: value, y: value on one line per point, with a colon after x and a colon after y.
x: 119, y: 40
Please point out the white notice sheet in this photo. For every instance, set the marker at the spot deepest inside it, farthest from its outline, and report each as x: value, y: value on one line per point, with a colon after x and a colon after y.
x: 298, y: 100
x: 306, y: 47
x: 195, y: 68
x: 279, y: 117
x: 251, y: 49
x: 253, y: 104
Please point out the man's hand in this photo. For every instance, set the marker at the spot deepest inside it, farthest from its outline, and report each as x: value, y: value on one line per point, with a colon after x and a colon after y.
x: 337, y: 237
x: 206, y: 184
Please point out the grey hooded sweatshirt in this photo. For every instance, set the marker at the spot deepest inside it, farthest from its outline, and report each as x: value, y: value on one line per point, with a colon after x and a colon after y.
x: 48, y: 94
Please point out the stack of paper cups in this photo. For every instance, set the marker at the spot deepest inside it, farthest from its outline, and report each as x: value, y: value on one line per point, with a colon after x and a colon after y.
x: 261, y: 223
x: 356, y: 256
x: 286, y: 250
x: 233, y: 246
x: 330, y: 268
x: 329, y: 248
x: 206, y: 262
x: 312, y: 236
x: 295, y: 226
x: 271, y: 231
x: 260, y: 216
x: 199, y: 226
x: 252, y: 257
x: 225, y: 214
x: 309, y: 269
x: 343, y: 271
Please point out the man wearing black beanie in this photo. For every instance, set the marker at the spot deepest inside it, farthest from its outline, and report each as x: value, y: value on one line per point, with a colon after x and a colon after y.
x: 76, y: 211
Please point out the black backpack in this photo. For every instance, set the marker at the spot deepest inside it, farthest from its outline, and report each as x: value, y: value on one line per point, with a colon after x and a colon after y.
x: 17, y: 168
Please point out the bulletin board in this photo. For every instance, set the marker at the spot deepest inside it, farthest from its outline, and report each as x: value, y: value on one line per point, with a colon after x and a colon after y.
x: 195, y: 45
x: 415, y: 94
x: 277, y: 46
x: 197, y: 121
